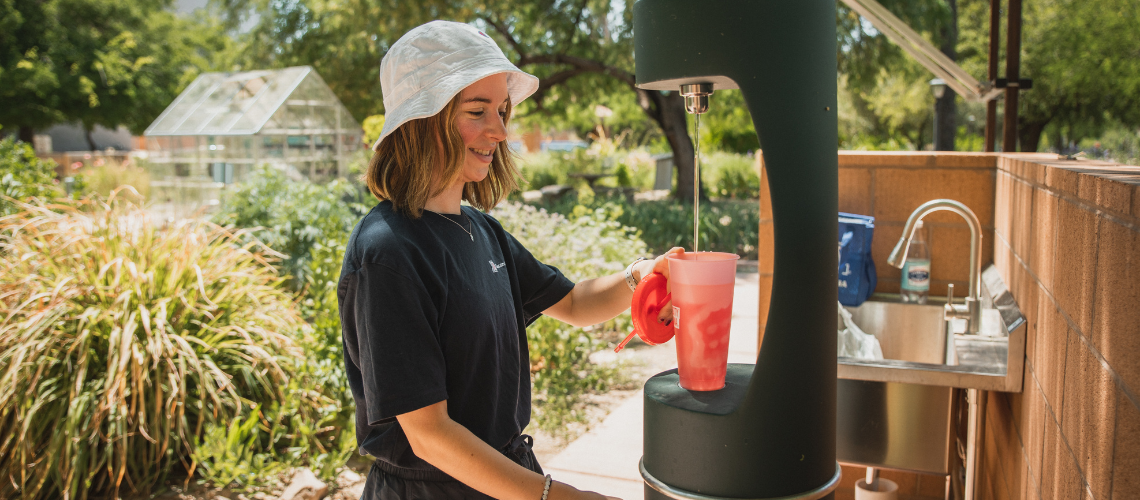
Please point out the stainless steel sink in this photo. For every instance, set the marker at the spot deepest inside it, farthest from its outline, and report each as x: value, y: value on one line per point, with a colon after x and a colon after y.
x: 896, y: 412
x: 912, y: 336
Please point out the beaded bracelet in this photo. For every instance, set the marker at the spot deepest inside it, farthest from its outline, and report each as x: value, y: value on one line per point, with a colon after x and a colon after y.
x: 546, y: 487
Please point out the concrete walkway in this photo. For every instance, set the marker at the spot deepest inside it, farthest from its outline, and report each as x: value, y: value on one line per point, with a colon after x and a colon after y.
x: 605, y: 459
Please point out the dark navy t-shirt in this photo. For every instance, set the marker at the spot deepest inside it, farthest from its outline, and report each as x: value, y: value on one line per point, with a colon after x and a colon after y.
x: 429, y: 314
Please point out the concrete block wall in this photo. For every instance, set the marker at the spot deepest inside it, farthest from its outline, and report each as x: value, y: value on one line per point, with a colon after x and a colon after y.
x: 1065, y: 236
x: 889, y: 185
x: 1068, y: 244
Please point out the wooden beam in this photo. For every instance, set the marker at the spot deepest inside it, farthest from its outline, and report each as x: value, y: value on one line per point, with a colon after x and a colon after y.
x: 995, y: 53
x: 1012, y: 68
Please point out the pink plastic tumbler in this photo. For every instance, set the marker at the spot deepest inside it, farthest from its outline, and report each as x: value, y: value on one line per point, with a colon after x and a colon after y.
x: 702, y: 285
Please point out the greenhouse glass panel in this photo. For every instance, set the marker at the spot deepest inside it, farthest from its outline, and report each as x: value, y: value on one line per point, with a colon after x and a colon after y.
x: 168, y: 121
x: 224, y: 125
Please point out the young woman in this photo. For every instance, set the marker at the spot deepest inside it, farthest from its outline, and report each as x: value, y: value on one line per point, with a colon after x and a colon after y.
x: 435, y: 296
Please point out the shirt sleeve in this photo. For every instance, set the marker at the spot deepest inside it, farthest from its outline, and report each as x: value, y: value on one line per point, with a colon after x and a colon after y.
x: 541, y: 285
x: 402, y: 363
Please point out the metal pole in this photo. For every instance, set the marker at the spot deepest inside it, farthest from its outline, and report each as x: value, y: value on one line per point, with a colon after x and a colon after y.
x: 1012, y: 65
x: 975, y: 438
x: 995, y: 46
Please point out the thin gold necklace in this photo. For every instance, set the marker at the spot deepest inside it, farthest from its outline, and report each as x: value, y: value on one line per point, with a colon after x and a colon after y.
x: 469, y: 233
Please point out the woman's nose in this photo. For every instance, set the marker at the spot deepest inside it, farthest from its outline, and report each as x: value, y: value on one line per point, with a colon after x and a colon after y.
x: 497, y: 130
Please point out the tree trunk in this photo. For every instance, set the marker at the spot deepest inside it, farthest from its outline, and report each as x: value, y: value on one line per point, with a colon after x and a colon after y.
x: 1029, y: 134
x: 27, y: 134
x: 675, y: 124
x: 90, y: 140
x: 668, y: 110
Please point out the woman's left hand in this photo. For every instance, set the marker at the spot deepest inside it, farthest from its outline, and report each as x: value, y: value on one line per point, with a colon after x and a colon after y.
x: 659, y: 265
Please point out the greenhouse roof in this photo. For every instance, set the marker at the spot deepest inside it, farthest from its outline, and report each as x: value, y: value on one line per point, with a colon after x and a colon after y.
x: 244, y: 103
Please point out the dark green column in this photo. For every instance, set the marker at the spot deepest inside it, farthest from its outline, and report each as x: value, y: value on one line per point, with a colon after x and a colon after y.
x: 771, y: 431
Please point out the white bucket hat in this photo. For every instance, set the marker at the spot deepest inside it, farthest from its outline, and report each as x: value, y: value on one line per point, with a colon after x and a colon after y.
x: 432, y: 63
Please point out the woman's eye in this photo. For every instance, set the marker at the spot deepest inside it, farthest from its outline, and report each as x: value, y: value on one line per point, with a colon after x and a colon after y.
x: 503, y: 114
x: 476, y: 114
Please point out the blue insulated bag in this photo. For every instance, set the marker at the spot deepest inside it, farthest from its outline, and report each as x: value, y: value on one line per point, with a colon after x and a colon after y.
x: 857, y: 278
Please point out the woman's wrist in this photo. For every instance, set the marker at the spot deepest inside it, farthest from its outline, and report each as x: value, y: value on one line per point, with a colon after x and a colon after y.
x: 632, y: 276
x: 643, y: 268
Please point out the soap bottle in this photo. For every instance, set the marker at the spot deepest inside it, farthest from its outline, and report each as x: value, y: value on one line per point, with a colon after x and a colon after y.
x: 915, y: 286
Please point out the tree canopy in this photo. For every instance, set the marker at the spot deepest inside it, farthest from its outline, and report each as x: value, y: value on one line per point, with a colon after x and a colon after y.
x: 581, y: 51
x: 1081, y: 56
x: 99, y: 62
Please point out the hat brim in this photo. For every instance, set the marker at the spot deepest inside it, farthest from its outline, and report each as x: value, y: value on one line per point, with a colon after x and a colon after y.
x: 425, y: 103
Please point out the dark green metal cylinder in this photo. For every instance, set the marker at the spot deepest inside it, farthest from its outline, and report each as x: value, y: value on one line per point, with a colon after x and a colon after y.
x: 771, y: 432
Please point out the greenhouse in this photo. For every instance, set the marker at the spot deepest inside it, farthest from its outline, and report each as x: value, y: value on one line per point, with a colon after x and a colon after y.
x: 224, y: 124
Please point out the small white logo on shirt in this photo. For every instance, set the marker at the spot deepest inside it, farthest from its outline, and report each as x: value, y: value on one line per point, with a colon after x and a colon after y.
x: 495, y: 267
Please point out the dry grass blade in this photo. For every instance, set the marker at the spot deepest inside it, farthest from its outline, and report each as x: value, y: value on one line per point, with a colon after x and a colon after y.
x: 120, y: 341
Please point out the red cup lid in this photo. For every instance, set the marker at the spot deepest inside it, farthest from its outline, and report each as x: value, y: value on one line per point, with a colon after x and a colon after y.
x: 651, y: 295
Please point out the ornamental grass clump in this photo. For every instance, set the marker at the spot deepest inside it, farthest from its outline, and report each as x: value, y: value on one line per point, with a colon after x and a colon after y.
x: 121, y: 341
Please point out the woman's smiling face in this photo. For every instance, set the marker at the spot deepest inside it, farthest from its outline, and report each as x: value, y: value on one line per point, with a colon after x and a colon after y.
x: 482, y: 109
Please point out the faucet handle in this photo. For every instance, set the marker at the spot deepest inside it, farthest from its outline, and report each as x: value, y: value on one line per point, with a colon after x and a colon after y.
x: 949, y: 311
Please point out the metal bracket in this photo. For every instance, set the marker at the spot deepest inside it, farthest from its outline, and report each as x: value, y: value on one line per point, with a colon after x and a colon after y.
x: 679, y: 494
x: 1023, y: 83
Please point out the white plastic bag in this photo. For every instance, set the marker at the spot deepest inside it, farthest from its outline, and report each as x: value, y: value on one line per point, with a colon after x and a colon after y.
x: 854, y: 342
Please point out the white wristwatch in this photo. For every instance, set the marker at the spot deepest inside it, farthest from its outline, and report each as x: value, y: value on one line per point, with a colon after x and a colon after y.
x: 629, y: 274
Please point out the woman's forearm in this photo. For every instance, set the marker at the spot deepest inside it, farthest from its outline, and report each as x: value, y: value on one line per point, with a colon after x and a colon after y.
x: 450, y: 447
x: 596, y: 300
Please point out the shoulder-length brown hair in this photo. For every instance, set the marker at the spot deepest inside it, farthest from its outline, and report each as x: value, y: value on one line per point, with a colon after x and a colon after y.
x: 406, y: 168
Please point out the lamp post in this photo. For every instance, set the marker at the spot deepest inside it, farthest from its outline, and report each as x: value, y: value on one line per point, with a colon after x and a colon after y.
x: 944, y: 115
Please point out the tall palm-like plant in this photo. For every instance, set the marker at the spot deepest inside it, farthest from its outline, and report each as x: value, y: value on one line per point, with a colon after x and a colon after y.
x: 120, y: 341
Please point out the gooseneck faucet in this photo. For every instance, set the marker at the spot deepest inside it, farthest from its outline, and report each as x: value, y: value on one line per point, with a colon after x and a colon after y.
x: 972, y: 310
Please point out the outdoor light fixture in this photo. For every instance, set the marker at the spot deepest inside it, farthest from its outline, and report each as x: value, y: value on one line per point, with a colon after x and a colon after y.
x: 938, y: 87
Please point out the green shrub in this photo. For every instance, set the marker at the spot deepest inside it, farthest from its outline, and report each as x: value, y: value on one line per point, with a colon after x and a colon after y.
x: 121, y: 343
x: 23, y: 176
x: 727, y: 175
x: 545, y: 169
x: 726, y: 225
x: 310, y: 224
x: 104, y: 177
x: 587, y: 244
x: 291, y: 217
x: 628, y: 168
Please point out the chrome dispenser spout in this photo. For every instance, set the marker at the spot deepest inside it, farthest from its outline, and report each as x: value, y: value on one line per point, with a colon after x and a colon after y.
x: 697, y: 97
x: 972, y: 311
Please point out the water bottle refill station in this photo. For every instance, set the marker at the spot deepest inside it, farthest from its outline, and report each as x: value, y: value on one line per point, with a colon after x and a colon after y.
x: 771, y: 431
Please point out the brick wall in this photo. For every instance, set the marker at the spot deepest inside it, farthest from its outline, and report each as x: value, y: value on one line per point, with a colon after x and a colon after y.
x: 1068, y: 245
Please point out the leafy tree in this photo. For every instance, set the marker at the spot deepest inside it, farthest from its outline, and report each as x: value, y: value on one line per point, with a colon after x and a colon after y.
x: 1082, y: 57
x: 728, y: 124
x: 581, y: 50
x: 100, y: 62
x: 884, y: 98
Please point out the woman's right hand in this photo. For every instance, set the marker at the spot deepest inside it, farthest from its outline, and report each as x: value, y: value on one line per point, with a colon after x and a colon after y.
x: 660, y: 264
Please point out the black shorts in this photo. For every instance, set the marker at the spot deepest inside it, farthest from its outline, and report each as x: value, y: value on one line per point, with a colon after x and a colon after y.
x: 386, y: 482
